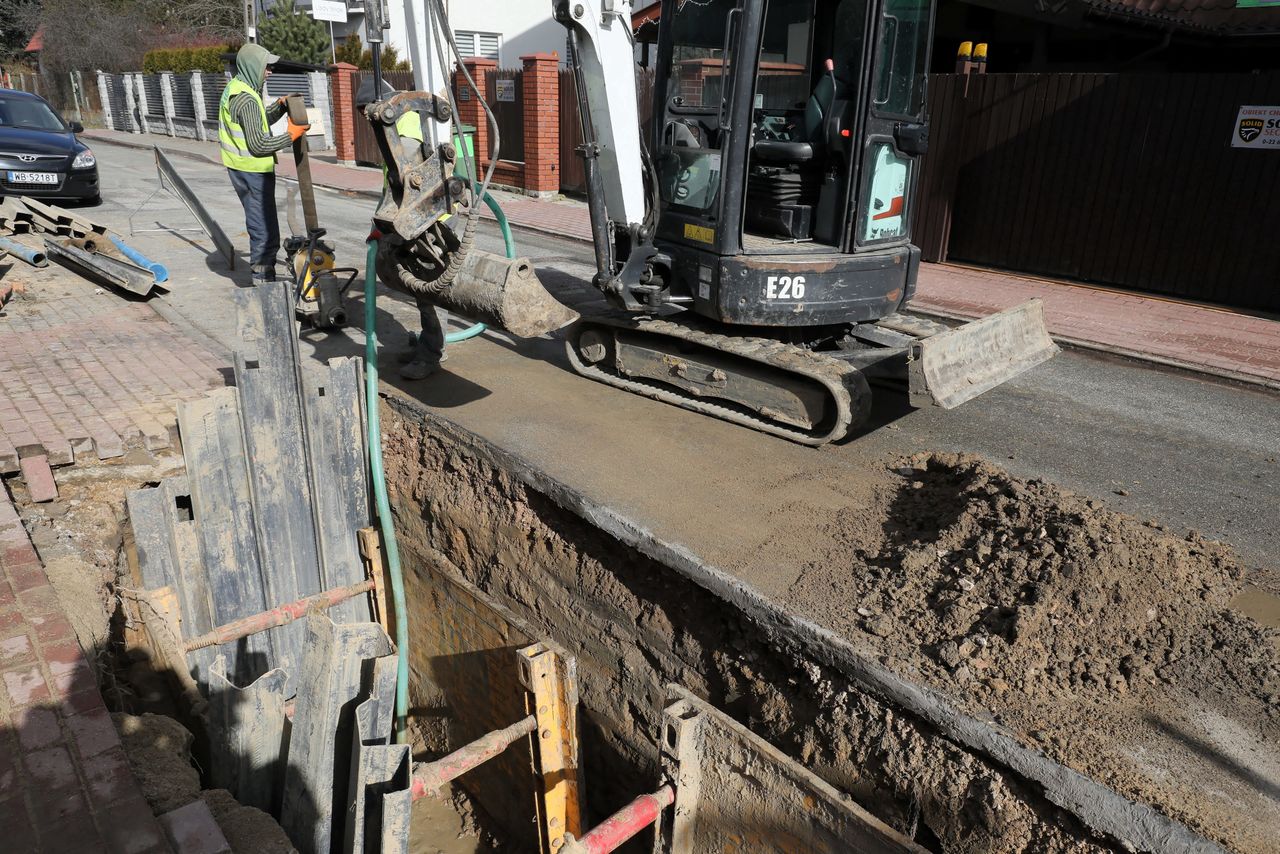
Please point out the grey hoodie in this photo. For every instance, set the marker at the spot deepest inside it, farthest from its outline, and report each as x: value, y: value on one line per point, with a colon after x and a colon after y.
x: 251, y: 68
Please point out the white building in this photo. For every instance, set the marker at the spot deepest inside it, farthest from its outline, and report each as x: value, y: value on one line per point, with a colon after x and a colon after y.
x: 504, y: 30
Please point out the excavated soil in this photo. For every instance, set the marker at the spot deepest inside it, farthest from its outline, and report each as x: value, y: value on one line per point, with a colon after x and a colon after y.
x: 1105, y: 640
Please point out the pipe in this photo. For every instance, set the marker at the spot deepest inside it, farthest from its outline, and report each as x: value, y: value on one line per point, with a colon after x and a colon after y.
x: 160, y: 271
x: 278, y: 616
x: 624, y: 824
x: 390, y: 546
x: 430, y: 776
x: 34, y: 257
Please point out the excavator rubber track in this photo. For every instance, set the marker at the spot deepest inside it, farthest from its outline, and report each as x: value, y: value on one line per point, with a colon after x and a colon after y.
x: 840, y: 389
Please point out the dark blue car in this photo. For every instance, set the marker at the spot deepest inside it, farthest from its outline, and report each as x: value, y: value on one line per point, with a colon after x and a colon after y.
x: 39, y: 153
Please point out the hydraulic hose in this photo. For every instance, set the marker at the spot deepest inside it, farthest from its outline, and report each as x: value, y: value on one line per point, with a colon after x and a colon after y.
x: 376, y: 470
x: 378, y: 476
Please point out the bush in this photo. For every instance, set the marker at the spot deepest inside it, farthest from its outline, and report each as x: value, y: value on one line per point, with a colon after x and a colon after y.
x: 180, y: 60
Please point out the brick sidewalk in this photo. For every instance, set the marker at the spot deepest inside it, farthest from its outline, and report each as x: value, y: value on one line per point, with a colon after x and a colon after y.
x: 65, y: 783
x: 89, y: 375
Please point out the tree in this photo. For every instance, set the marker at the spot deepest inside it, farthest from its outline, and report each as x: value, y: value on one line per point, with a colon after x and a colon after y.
x: 353, y: 51
x: 349, y: 51
x: 293, y: 34
x: 18, y: 22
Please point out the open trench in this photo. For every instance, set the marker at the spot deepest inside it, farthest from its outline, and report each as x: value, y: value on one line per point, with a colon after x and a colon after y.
x: 498, y: 554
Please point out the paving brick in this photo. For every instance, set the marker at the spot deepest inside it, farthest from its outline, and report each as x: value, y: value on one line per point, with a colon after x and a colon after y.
x: 39, y: 478
x: 70, y: 679
x: 16, y: 650
x: 37, y: 727
x: 93, y: 732
x: 25, y: 686
x: 19, y: 832
x: 133, y: 829
x: 108, y: 777
x: 192, y: 830
x: 52, y: 768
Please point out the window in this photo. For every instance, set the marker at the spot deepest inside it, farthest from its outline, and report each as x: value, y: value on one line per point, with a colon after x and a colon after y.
x: 472, y: 43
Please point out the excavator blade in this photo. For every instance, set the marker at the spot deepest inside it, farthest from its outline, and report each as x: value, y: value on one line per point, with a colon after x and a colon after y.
x: 957, y: 365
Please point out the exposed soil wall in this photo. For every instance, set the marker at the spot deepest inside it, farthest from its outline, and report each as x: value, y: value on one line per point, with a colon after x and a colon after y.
x: 636, y: 624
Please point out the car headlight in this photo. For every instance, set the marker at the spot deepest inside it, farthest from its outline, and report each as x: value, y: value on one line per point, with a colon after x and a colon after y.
x: 84, y: 160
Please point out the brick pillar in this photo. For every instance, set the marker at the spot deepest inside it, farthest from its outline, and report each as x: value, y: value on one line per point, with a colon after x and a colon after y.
x: 343, y: 86
x: 541, y: 124
x: 104, y: 97
x: 470, y: 110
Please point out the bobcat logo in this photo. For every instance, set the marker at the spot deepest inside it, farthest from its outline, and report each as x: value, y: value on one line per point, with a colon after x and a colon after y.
x: 1250, y: 129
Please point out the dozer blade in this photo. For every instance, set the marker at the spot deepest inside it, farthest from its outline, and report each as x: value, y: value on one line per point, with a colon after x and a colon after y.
x: 954, y: 366
x: 501, y: 292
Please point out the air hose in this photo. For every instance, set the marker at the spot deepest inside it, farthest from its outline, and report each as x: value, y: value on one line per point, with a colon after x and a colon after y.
x: 378, y: 475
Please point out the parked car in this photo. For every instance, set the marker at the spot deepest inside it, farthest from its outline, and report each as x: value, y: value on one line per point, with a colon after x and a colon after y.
x: 39, y: 153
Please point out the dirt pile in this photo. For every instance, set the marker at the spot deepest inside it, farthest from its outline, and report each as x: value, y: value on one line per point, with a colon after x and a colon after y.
x: 1105, y: 639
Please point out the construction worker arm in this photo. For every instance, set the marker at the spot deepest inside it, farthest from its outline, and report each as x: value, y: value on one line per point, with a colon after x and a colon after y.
x: 276, y: 110
x: 260, y: 144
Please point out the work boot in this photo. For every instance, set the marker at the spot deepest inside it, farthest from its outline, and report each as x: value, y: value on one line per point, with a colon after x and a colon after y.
x: 418, y: 369
x: 263, y: 273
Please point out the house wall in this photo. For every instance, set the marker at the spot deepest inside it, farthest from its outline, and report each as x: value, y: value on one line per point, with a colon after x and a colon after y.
x: 527, y: 26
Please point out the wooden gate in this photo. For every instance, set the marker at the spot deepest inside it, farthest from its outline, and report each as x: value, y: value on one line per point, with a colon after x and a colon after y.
x: 366, y: 144
x: 505, y: 96
x: 572, y: 177
x: 1120, y: 179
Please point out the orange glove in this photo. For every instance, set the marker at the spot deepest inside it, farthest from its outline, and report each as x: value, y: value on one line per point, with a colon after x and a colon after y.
x: 296, y: 131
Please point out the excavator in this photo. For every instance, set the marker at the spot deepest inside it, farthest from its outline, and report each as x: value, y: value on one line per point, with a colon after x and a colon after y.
x: 753, y: 243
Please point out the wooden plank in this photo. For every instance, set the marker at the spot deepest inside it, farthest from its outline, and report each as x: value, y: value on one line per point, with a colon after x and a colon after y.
x: 221, y: 504
x: 275, y: 439
x: 340, y: 486
x: 332, y: 676
x: 247, y: 737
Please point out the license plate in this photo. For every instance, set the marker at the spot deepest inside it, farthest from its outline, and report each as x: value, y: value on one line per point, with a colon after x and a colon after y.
x: 33, y: 177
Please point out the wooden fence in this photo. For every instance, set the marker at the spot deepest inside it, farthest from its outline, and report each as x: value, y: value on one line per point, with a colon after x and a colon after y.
x: 1120, y: 179
x: 366, y: 144
x: 572, y: 177
x: 505, y: 96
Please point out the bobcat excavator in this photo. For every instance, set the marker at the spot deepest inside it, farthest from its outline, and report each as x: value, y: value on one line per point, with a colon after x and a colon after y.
x: 755, y: 242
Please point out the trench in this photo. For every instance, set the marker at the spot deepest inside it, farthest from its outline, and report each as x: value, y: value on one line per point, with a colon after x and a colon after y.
x: 498, y: 554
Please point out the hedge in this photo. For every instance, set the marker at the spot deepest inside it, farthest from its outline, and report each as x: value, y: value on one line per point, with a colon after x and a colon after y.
x: 183, y: 59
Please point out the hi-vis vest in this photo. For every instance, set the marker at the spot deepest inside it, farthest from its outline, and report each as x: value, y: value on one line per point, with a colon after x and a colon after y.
x: 235, y: 150
x: 409, y: 126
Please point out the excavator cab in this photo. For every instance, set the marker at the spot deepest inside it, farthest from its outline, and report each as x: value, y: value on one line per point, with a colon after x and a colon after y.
x: 786, y: 135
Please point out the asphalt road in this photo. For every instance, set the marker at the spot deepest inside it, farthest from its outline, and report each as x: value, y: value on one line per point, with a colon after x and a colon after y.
x: 1189, y: 451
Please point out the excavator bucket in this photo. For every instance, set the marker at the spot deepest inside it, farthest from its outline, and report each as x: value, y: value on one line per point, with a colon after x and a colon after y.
x: 954, y: 366
x: 505, y: 293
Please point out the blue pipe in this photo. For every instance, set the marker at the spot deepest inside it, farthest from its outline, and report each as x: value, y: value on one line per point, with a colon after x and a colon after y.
x: 34, y: 257
x: 157, y: 269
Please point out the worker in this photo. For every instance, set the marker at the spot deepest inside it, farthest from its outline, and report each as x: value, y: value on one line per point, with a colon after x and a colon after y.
x: 425, y: 352
x: 249, y: 153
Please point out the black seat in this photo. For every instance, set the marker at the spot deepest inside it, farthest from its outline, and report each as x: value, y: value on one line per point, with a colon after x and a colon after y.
x: 783, y: 151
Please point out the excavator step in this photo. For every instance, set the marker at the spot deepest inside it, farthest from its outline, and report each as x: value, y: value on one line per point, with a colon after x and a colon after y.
x: 767, y: 385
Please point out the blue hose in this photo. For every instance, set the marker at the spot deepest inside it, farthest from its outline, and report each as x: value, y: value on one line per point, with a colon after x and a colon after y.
x: 378, y: 474
x: 157, y: 269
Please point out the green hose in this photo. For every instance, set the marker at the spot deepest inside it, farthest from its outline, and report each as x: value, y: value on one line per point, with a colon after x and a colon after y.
x: 476, y: 328
x: 378, y: 475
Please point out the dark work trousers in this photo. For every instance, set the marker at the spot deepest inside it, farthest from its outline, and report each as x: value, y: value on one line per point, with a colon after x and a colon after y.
x: 257, y: 192
x: 430, y: 347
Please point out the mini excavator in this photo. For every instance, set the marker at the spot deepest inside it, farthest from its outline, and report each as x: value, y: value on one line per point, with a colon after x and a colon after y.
x: 754, y: 242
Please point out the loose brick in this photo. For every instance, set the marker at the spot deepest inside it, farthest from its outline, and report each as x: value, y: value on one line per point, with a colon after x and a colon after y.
x: 39, y: 478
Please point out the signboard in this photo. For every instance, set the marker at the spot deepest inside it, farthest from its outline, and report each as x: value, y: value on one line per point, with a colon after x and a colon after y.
x: 506, y: 90
x: 329, y: 10
x: 1256, y: 127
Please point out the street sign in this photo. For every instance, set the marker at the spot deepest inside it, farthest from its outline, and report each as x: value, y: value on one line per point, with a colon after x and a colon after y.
x: 334, y: 11
x: 1256, y: 127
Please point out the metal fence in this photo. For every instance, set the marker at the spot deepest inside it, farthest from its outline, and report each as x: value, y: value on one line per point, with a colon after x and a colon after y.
x: 186, y: 105
x: 1128, y: 180
x: 573, y: 178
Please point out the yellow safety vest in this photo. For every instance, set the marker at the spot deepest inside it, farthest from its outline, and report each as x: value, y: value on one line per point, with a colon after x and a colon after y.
x: 235, y: 150
x: 409, y: 126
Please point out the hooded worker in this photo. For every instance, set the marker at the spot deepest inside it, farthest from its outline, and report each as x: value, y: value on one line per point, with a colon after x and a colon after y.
x: 426, y: 351
x: 249, y: 153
